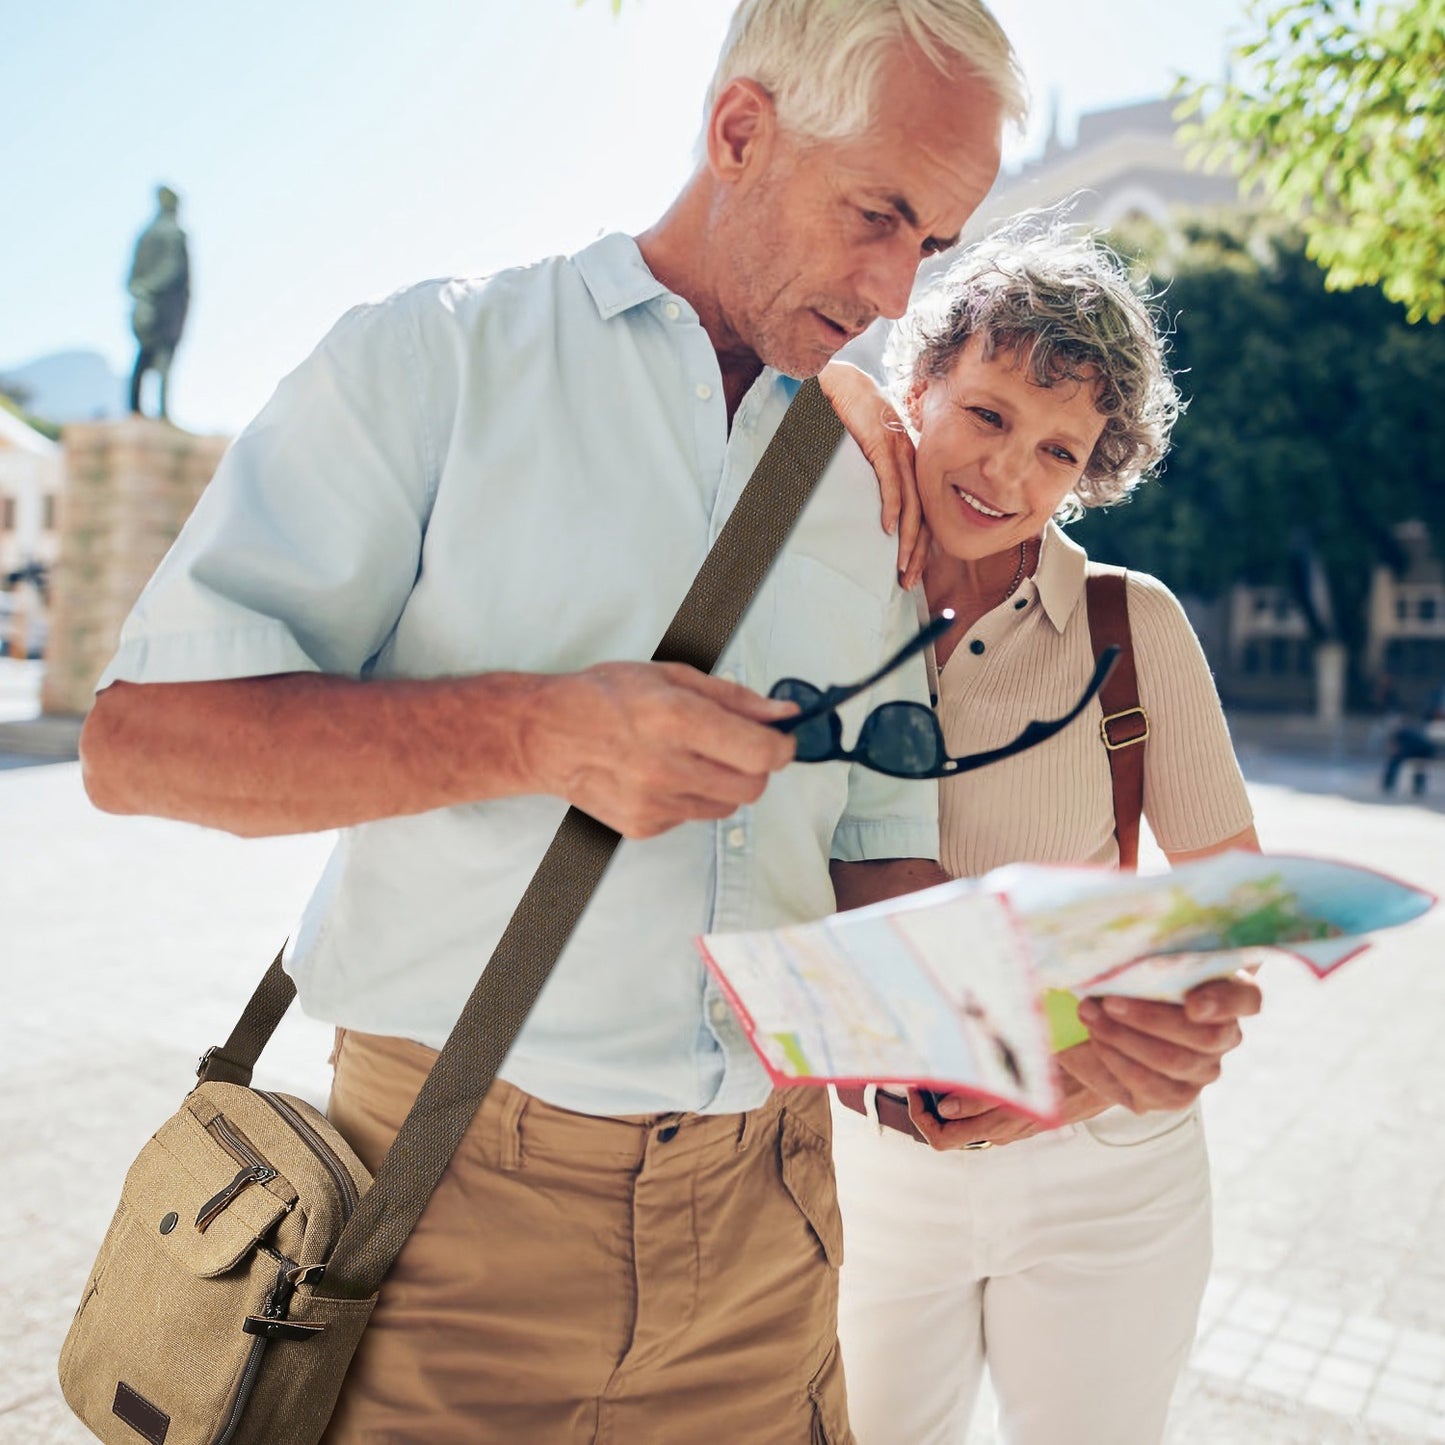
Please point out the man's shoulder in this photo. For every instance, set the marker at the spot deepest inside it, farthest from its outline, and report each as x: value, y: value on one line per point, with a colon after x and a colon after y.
x: 842, y: 524
x: 465, y: 299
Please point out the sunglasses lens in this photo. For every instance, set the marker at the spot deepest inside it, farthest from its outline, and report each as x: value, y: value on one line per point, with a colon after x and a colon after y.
x: 814, y: 738
x: 902, y: 738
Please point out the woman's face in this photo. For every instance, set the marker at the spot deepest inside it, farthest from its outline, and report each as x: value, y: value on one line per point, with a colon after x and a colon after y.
x: 997, y: 453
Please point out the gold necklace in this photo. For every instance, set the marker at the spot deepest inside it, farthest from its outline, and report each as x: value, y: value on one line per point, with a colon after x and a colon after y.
x: 1019, y: 573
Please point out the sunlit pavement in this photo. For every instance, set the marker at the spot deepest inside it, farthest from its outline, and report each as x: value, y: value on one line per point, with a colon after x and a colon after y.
x: 130, y: 944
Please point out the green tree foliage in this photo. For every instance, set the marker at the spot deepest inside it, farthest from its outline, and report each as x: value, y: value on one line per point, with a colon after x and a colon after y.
x: 1341, y: 121
x: 1307, y: 409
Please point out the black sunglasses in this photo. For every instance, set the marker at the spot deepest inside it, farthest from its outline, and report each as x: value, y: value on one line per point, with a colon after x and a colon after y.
x: 903, y: 739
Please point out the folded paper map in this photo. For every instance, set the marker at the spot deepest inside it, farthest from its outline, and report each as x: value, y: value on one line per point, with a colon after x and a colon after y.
x: 942, y: 989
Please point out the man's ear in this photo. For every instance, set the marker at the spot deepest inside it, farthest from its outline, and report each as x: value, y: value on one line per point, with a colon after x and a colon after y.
x: 741, y: 130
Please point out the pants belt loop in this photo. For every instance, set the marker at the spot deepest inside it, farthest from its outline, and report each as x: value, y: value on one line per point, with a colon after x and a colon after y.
x: 870, y: 1106
x: 509, y: 1130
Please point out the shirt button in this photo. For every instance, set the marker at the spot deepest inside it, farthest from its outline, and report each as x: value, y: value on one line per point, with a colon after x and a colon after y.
x: 736, y: 837
x: 719, y: 1012
x: 976, y: 646
x: 667, y: 1133
x: 1022, y: 602
x: 704, y: 391
x: 672, y: 310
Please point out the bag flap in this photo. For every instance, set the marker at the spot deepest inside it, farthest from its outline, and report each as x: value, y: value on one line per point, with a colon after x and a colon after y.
x: 195, y: 1194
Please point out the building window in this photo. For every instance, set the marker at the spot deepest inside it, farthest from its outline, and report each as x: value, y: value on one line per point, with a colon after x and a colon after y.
x: 47, y: 513
x: 7, y: 514
x: 1427, y: 609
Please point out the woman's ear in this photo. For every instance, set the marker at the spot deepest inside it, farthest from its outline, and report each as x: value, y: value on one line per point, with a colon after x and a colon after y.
x: 913, y: 401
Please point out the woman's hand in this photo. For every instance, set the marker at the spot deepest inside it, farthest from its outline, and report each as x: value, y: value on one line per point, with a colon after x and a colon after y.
x: 881, y: 436
x: 969, y: 1119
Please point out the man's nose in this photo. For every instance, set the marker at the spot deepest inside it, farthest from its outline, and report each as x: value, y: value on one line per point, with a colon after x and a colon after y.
x: 891, y: 278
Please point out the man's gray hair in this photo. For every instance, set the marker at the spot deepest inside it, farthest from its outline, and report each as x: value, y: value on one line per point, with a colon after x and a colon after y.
x: 1064, y: 303
x: 821, y: 60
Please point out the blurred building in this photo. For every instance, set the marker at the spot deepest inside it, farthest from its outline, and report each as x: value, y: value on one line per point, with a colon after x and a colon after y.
x: 30, y: 482
x: 1125, y: 163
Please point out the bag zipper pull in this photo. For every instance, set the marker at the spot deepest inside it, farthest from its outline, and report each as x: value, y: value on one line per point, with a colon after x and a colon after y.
x: 251, y: 1174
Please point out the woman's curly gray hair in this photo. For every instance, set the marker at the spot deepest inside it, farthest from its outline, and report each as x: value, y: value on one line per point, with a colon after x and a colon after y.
x: 1063, y: 302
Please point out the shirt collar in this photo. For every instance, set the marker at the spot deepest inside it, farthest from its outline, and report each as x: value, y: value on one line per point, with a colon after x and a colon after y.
x: 1059, y: 577
x: 615, y: 273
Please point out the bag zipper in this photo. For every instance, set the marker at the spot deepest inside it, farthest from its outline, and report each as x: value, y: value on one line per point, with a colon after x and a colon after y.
x: 345, y: 1185
x: 275, y: 1308
x: 234, y: 1142
x: 254, y: 1169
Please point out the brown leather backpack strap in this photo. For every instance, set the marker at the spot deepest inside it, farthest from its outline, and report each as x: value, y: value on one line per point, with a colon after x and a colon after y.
x: 1125, y: 726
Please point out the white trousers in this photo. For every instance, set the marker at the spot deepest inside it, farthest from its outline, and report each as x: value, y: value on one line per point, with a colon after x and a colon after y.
x: 1072, y: 1263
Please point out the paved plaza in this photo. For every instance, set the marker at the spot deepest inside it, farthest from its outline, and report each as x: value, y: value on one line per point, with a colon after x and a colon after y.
x: 130, y: 944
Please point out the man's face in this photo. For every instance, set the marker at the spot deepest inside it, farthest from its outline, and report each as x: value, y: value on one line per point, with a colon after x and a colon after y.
x: 828, y: 235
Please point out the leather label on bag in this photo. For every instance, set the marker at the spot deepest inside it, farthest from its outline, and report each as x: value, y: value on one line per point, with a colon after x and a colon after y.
x: 140, y: 1414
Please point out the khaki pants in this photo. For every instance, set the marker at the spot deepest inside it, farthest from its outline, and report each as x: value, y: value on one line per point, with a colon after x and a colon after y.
x: 651, y: 1280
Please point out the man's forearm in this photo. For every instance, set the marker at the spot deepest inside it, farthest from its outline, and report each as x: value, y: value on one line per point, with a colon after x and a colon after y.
x: 856, y: 884
x: 642, y: 746
x: 303, y: 752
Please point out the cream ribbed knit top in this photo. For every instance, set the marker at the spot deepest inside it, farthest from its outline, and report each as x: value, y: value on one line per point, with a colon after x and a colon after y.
x: 1030, y: 658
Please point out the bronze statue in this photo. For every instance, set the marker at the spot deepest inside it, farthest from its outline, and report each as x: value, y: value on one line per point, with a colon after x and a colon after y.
x: 160, y: 281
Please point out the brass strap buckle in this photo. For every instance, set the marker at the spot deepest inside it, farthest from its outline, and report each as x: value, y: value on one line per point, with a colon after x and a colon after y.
x: 1131, y: 737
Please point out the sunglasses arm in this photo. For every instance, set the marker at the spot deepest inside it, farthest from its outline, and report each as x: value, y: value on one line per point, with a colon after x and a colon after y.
x: 835, y: 697
x: 1038, y: 732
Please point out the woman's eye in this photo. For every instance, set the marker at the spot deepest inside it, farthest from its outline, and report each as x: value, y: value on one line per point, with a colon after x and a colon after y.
x: 989, y: 418
x: 1063, y: 455
x: 874, y: 218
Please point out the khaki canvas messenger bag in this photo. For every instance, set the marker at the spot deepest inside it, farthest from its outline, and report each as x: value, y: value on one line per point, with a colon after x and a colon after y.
x: 250, y: 1242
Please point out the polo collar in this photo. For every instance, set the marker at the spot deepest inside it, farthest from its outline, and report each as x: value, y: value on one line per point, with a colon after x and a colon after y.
x: 1059, y: 577
x: 614, y: 272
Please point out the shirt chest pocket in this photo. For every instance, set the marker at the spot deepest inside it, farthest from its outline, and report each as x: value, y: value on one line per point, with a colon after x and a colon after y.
x: 826, y: 629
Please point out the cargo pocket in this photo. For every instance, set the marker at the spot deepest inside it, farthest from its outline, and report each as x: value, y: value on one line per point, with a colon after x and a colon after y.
x: 807, y: 1170
x: 829, y: 1396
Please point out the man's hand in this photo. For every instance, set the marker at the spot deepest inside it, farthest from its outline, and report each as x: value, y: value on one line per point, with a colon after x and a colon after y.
x: 645, y: 746
x: 882, y: 438
x: 969, y: 1119
x: 1148, y: 1055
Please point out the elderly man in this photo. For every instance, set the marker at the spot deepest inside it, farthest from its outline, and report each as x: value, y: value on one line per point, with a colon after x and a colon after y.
x: 410, y: 606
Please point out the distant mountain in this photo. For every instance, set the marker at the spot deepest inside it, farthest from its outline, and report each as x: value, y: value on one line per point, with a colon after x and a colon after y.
x: 69, y: 386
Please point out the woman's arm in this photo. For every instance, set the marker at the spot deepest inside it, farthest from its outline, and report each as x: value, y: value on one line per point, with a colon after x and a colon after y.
x: 1246, y: 841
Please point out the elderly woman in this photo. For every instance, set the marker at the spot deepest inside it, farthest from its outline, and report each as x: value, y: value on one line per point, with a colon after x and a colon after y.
x: 1071, y: 1260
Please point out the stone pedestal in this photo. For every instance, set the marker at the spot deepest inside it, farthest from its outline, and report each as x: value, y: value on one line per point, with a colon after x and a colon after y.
x: 1331, y: 659
x: 129, y: 486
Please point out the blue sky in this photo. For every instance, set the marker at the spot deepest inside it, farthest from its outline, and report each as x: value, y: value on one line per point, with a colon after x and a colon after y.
x: 328, y: 151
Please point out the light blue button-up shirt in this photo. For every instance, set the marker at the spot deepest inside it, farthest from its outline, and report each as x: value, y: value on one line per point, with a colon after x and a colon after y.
x: 525, y: 473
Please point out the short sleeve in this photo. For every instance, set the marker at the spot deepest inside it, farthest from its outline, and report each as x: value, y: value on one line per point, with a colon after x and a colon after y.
x: 304, y: 548
x: 891, y: 817
x: 1194, y: 794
